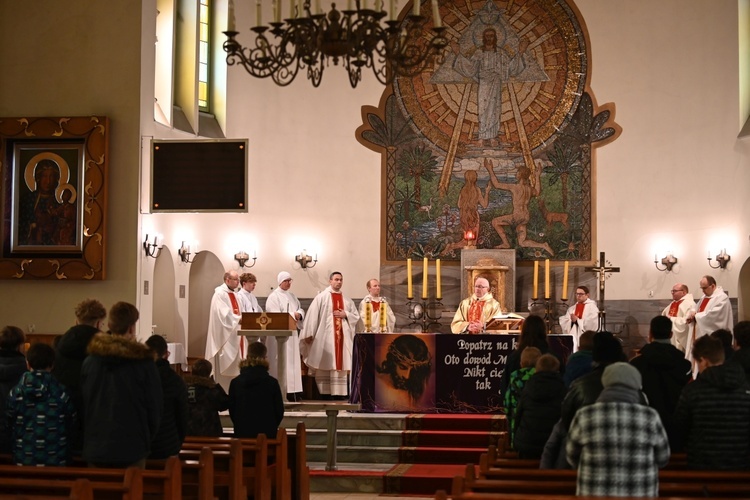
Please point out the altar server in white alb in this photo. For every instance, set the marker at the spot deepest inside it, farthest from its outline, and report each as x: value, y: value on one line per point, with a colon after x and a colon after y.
x: 377, y: 305
x: 282, y: 300
x: 327, y: 338
x: 581, y: 316
x: 677, y: 311
x: 222, y: 342
x: 248, y: 301
x: 713, y: 312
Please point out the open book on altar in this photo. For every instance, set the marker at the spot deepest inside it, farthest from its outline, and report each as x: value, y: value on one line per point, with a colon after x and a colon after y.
x: 506, y: 322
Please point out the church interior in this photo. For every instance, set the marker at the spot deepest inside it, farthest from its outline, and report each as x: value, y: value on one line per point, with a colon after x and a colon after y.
x: 673, y: 76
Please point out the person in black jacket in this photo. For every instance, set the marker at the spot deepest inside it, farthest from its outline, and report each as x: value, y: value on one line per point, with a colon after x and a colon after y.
x: 713, y: 413
x: 70, y: 351
x: 255, y: 401
x: 664, y: 371
x: 539, y: 407
x: 742, y: 340
x: 121, y: 393
x: 173, y: 425
x: 206, y: 399
x: 12, y: 366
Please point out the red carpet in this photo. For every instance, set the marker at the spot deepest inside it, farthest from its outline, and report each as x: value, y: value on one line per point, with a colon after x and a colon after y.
x: 437, y: 447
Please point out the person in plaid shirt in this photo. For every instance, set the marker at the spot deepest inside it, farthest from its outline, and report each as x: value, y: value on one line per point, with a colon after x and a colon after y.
x: 618, y: 444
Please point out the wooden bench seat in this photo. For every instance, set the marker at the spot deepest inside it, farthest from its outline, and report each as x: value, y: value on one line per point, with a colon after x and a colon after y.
x: 45, y: 489
x: 125, y: 484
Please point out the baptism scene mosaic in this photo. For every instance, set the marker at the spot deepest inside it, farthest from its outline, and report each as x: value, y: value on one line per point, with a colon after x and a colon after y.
x: 494, y: 142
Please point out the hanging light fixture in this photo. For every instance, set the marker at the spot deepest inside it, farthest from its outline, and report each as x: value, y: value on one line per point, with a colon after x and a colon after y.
x: 358, y: 38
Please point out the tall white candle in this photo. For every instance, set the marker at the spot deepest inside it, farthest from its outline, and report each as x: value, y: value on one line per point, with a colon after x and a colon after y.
x: 437, y: 22
x: 416, y: 7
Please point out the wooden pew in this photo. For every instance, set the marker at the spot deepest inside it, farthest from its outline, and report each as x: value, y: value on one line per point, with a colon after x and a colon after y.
x: 227, y: 465
x: 442, y: 495
x: 298, y: 463
x: 47, y: 489
x: 197, y: 473
x: 164, y: 480
x: 125, y: 484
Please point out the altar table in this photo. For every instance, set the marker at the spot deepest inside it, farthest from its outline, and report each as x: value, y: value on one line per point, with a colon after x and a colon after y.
x: 434, y: 373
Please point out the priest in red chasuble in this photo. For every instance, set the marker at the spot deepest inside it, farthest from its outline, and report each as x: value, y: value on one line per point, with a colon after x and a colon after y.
x: 223, y: 347
x: 713, y: 311
x: 476, y: 311
x: 678, y: 310
x: 326, y: 339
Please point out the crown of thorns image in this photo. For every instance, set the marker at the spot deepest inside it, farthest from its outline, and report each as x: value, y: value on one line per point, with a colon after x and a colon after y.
x: 408, y: 362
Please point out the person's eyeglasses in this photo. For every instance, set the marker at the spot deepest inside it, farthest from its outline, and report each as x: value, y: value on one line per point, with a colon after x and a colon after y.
x: 480, y: 286
x: 707, y: 286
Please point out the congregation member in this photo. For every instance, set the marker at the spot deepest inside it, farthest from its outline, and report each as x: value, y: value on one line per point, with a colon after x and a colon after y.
x: 618, y: 444
x: 122, y: 395
x: 173, y: 425
x: 477, y: 310
x: 223, y: 346
x: 377, y: 304
x: 725, y: 336
x: 283, y: 300
x: 206, y: 399
x: 70, y: 353
x: 713, y: 413
x: 40, y: 412
x: 518, y: 379
x: 255, y: 402
x: 581, y: 316
x: 327, y: 337
x: 539, y: 407
x: 678, y: 311
x: 742, y: 340
x: 713, y: 311
x: 12, y: 366
x: 533, y: 334
x: 580, y: 362
x: 664, y: 371
x: 249, y: 303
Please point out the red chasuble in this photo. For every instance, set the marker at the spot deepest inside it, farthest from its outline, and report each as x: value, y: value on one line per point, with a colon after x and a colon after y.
x: 704, y: 303
x: 236, y: 310
x: 579, y: 309
x: 338, y: 330
x: 674, y: 307
x: 475, y: 311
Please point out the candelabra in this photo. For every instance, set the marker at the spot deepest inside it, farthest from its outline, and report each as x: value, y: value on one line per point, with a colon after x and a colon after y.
x: 425, y: 313
x: 356, y: 37
x: 550, y: 306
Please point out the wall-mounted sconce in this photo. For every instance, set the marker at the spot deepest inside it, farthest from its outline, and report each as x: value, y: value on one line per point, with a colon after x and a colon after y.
x: 304, y: 260
x: 184, y: 253
x: 242, y: 257
x: 152, y: 249
x: 668, y: 262
x: 722, y: 259
x: 470, y: 238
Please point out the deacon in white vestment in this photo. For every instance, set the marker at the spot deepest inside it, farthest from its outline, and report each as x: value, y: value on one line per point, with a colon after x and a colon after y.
x: 222, y: 342
x: 376, y: 303
x: 282, y: 300
x: 713, y: 312
x: 475, y: 312
x: 677, y: 311
x: 581, y: 316
x: 327, y: 337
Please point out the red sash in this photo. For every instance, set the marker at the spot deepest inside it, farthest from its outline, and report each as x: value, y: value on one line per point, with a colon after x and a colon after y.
x: 236, y: 310
x: 475, y: 311
x: 338, y: 330
x: 674, y: 307
x: 579, y: 309
x: 704, y: 303
x: 375, y: 306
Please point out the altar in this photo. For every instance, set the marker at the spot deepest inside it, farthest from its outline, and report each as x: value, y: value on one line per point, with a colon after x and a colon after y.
x: 434, y: 373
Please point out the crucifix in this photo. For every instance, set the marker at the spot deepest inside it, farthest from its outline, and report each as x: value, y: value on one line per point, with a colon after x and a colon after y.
x: 601, y: 270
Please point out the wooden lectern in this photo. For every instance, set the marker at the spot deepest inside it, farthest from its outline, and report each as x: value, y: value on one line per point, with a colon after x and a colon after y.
x: 278, y: 325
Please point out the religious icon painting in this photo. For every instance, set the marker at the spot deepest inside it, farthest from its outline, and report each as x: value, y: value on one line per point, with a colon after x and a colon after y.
x: 405, y: 372
x: 54, y: 196
x: 495, y: 140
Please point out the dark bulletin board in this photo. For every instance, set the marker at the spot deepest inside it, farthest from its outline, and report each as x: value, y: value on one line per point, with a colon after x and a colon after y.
x: 199, y: 176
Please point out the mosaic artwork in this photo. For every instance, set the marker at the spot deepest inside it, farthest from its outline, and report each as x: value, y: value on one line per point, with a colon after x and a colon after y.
x: 495, y: 139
